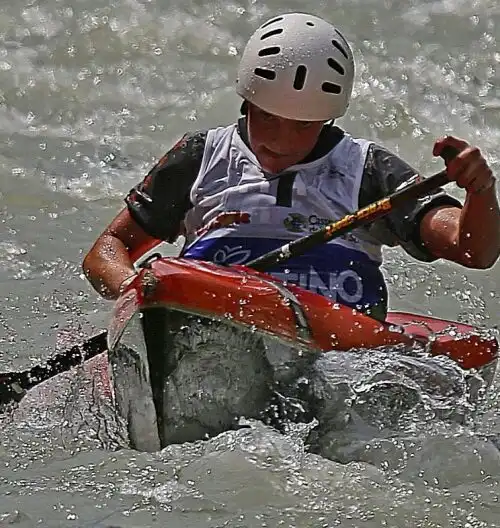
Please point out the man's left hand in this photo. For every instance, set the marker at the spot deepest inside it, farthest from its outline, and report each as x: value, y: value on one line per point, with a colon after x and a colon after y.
x: 468, y: 169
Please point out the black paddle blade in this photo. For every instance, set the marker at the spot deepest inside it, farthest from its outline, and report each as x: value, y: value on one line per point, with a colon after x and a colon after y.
x: 13, y: 385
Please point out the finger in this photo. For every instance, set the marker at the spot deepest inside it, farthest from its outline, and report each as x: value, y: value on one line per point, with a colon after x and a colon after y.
x: 149, y: 284
x: 481, y: 182
x: 478, y: 187
x: 461, y: 163
x: 475, y: 177
x: 466, y: 179
x: 450, y: 141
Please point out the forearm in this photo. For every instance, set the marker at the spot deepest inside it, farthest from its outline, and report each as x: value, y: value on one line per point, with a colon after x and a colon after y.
x: 107, y: 265
x: 469, y: 235
x: 479, y: 231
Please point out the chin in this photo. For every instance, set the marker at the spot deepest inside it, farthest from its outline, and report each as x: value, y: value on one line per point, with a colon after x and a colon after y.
x: 273, y: 165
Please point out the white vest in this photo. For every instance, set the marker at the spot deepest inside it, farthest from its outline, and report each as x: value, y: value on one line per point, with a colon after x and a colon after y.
x: 235, y: 217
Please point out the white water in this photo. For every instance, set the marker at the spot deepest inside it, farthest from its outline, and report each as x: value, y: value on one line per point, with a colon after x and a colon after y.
x: 91, y: 94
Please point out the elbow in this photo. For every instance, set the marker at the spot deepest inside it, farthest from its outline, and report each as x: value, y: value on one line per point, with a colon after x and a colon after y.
x: 481, y: 261
x: 486, y: 263
x: 87, y: 264
x: 480, y: 265
x: 92, y: 271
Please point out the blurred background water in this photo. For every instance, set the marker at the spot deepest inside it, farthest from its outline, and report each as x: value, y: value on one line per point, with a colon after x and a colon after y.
x: 92, y: 93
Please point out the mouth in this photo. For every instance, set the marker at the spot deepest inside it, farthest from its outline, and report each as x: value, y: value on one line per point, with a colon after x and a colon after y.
x: 271, y: 153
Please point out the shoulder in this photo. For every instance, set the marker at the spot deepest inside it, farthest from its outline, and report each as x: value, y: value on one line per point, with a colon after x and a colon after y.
x: 159, y: 202
x: 383, y: 163
x: 188, y: 149
x: 173, y: 173
x: 383, y: 172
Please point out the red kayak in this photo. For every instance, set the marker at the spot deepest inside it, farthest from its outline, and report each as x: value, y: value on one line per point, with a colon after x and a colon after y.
x: 256, y: 301
x: 193, y: 346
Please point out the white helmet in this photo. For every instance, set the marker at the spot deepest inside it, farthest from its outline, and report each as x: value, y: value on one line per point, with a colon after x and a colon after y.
x: 297, y: 66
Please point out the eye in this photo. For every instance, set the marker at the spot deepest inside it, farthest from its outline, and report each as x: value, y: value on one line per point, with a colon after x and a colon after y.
x: 265, y: 116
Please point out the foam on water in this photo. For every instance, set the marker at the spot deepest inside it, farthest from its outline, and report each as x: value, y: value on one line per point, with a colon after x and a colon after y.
x: 92, y: 93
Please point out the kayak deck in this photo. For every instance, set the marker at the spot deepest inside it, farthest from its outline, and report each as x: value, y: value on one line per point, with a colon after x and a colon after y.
x: 260, y: 303
x: 210, y: 344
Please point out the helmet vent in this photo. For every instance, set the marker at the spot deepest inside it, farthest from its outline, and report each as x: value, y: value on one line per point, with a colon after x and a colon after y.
x: 277, y: 19
x: 336, y: 66
x: 271, y: 33
x: 273, y: 50
x: 300, y: 77
x: 310, y: 24
x: 340, y: 48
x: 266, y: 74
x: 329, y: 87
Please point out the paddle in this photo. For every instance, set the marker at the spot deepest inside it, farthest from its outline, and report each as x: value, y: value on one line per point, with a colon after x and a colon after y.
x: 363, y: 216
x: 14, y: 385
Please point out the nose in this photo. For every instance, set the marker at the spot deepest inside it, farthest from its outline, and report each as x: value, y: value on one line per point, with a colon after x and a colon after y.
x: 280, y: 135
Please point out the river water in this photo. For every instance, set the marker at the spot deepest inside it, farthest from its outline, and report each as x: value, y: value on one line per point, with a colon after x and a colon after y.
x: 91, y: 94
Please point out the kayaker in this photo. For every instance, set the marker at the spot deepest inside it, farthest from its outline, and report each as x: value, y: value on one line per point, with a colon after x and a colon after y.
x: 285, y: 169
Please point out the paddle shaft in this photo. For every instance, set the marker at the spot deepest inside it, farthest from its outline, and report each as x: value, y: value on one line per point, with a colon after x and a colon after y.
x: 14, y: 385
x: 363, y: 216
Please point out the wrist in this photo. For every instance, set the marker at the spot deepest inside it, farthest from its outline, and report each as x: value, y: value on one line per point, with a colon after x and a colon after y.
x: 489, y: 188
